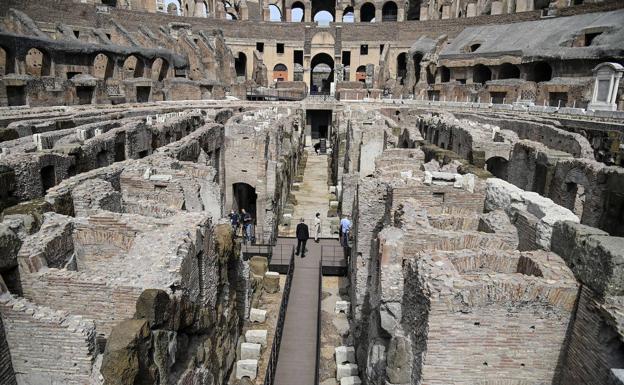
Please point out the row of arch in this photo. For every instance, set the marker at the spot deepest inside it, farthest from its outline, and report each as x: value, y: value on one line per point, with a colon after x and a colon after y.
x: 538, y: 71
x: 38, y: 63
x: 325, y: 12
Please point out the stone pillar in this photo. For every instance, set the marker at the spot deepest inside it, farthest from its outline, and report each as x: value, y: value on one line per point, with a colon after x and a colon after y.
x: 446, y: 12
x: 497, y: 8
x: 356, y: 15
x: 471, y: 10
x: 339, y: 14
x: 378, y: 14
x: 424, y: 13
x: 307, y: 13
x: 401, y: 14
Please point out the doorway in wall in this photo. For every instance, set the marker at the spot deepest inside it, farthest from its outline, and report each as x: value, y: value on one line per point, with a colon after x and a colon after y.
x: 16, y: 95
x: 143, y: 94
x: 319, y: 122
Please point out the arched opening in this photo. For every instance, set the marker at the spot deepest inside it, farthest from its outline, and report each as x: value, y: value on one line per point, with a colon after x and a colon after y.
x: 110, y: 3
x: 275, y: 13
x: 103, y: 67
x: 323, y: 17
x: 48, y: 178
x: 240, y: 64
x: 497, y: 166
x: 173, y: 7
x: 445, y: 74
x: 318, y: 6
x: 297, y: 12
x: 360, y: 74
x: 508, y: 71
x: 280, y: 73
x: 160, y: 67
x: 367, y: 13
x: 244, y: 199
x: 540, y: 72
x: 37, y: 63
x: 389, y: 11
x: 413, y: 12
x: 417, y: 59
x: 348, y: 15
x: 322, y: 73
x: 401, y: 67
x: 541, y: 4
x: 481, y: 74
x: 133, y: 67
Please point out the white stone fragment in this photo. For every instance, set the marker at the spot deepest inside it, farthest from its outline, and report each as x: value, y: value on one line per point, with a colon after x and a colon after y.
x: 352, y: 380
x: 246, y: 368
x: 342, y: 307
x: 345, y: 354
x: 160, y: 177
x: 256, y: 336
x: 333, y: 203
x: 428, y: 178
x: 250, y: 351
x: 346, y: 370
x: 257, y: 315
x: 147, y: 173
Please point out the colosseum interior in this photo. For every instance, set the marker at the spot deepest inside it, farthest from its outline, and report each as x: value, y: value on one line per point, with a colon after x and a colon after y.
x: 311, y: 192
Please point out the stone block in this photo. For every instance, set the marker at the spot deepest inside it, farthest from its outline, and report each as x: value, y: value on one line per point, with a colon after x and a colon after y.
x: 351, y: 380
x: 256, y: 336
x: 258, y: 265
x: 257, y: 315
x: 342, y: 307
x: 250, y: 351
x: 345, y: 354
x: 346, y: 370
x: 271, y: 282
x: 246, y: 368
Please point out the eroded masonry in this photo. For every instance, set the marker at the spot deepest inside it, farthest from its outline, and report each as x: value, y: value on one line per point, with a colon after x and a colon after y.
x: 462, y: 182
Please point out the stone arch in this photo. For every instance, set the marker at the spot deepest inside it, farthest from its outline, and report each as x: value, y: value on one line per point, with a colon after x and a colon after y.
x: 280, y: 72
x: 173, y: 7
x: 540, y: 71
x: 103, y: 66
x: 481, y: 74
x: 323, y: 5
x: 160, y: 68
x: 508, y: 71
x: 576, y: 185
x: 240, y: 65
x: 133, y: 67
x: 367, y: 13
x: 401, y: 67
x: 360, y: 74
x: 38, y: 63
x: 101, y: 159
x: 298, y: 16
x: 275, y: 13
x: 321, y: 82
x: 417, y: 58
x: 497, y: 166
x: 244, y: 197
x: 389, y: 11
x: 348, y: 15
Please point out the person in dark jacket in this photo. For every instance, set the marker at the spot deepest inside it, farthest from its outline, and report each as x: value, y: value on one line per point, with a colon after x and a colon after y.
x: 302, y: 238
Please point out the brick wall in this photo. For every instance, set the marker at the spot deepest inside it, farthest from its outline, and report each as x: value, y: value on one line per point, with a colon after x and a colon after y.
x: 594, y: 348
x: 97, y: 299
x: 47, y: 346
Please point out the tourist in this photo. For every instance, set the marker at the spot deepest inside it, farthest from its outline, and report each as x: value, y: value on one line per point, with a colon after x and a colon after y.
x: 302, y: 238
x: 317, y: 227
x: 317, y: 148
x: 345, y: 229
x: 234, y: 221
x: 247, y: 225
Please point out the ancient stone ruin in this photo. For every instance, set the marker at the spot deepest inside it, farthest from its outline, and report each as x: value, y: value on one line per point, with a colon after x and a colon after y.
x: 335, y: 193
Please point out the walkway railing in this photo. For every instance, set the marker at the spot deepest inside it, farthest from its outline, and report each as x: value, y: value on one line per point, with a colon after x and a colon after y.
x: 334, y: 260
x: 277, y: 339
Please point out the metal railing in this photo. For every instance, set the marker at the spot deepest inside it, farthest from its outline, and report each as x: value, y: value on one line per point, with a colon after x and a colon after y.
x: 269, y: 377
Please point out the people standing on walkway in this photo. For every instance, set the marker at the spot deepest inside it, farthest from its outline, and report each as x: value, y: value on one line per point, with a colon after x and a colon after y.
x: 317, y: 227
x: 247, y: 225
x: 345, y: 230
x: 234, y: 221
x: 302, y: 237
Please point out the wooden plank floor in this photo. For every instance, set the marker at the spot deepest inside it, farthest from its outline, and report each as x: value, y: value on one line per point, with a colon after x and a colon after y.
x: 296, y: 364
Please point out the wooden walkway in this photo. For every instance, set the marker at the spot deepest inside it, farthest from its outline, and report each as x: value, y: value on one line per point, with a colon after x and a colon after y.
x: 296, y: 364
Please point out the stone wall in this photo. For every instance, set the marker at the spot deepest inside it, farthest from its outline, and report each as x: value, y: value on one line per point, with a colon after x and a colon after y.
x: 7, y: 375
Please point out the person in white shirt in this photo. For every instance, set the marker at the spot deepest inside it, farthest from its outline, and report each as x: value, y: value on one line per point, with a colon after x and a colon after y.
x: 317, y: 227
x: 345, y: 229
